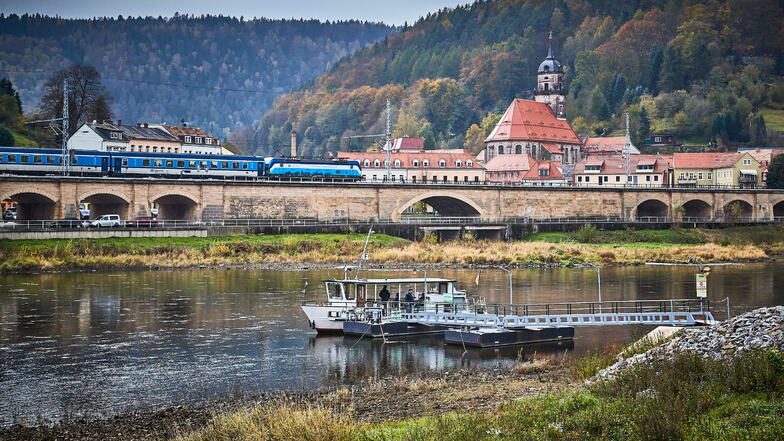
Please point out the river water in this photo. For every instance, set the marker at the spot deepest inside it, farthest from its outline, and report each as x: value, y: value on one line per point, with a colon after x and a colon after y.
x: 99, y: 344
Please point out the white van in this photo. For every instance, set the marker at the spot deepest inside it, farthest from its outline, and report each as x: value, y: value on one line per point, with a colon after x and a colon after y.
x: 107, y: 220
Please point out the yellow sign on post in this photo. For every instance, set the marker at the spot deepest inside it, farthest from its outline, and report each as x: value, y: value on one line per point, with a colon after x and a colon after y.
x: 702, y: 285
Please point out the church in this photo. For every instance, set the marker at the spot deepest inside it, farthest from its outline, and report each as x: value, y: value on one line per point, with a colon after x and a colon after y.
x: 537, y: 128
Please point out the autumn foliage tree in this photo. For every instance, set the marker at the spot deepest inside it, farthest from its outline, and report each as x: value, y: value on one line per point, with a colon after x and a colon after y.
x: 88, y: 99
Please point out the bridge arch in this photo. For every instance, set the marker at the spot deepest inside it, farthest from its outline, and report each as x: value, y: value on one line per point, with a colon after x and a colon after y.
x: 107, y: 203
x: 175, y: 206
x: 33, y: 205
x: 696, y: 208
x: 738, y: 209
x: 652, y: 208
x: 444, y: 203
x: 778, y: 209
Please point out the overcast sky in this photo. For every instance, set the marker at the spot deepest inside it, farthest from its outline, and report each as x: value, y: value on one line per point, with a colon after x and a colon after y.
x: 392, y: 12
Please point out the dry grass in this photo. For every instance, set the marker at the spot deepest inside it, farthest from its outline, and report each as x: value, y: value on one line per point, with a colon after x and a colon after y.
x: 278, y: 424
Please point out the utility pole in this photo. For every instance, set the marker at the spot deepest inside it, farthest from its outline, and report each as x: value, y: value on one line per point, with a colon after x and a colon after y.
x: 627, y: 150
x: 66, y: 162
x: 388, y: 144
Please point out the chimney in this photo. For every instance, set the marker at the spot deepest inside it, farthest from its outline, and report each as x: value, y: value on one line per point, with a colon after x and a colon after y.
x: 119, y: 123
x: 146, y: 125
x: 138, y: 124
x: 293, y: 144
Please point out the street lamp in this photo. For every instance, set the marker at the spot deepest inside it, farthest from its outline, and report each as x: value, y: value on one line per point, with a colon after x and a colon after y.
x: 510, y: 281
x: 599, y: 282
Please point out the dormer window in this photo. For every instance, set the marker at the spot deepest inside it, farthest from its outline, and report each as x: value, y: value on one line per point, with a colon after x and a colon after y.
x: 544, y: 172
x: 469, y: 163
x: 366, y: 163
x: 187, y: 139
x: 376, y: 163
x: 209, y: 141
x: 397, y: 163
x: 458, y: 163
x: 116, y: 135
x: 415, y: 162
x: 198, y: 140
x: 441, y: 163
x: 425, y: 163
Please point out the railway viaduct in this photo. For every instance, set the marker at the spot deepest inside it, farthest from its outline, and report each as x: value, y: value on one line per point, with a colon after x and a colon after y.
x: 58, y: 197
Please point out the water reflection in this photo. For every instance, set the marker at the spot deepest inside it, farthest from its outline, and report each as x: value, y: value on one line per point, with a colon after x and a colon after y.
x: 107, y: 343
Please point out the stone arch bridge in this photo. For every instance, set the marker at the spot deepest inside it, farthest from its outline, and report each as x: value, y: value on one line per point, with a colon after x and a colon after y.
x: 58, y: 197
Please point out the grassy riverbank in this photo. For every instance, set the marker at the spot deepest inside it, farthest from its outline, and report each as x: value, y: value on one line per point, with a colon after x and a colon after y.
x: 587, y: 245
x: 687, y: 398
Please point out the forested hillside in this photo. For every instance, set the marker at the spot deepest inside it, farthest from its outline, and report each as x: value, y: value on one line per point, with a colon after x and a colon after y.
x: 705, y: 70
x: 216, y: 72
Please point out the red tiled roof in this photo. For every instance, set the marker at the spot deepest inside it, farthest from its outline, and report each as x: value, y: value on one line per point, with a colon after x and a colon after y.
x: 509, y: 163
x: 612, y: 142
x: 526, y: 120
x: 553, y: 166
x: 191, y: 131
x: 705, y: 160
x: 552, y: 148
x: 406, y: 159
x: 406, y: 143
x: 617, y: 164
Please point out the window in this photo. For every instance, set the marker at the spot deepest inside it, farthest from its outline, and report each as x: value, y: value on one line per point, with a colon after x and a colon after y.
x: 648, y: 178
x: 441, y: 163
x: 747, y: 162
x: 710, y: 175
x: 155, y: 149
x: 158, y: 163
x: 617, y: 179
x: 415, y: 163
x: 699, y: 175
x: 413, y: 179
x: 366, y: 163
x: 148, y: 148
x: 145, y: 162
x: 191, y: 164
x: 435, y: 178
x: 50, y: 159
x: 683, y: 176
x: 169, y: 163
x: 376, y: 163
x: 579, y: 179
x: 180, y: 164
x: 224, y: 165
x: 235, y: 165
x: 25, y: 159
x: 375, y: 177
x: 425, y: 163
x: 116, y: 135
x: 244, y: 165
x: 458, y: 163
x: 465, y: 178
x: 656, y: 178
x: 198, y: 139
x: 187, y: 139
x: 203, y: 165
x: 393, y: 178
x: 518, y: 149
x: 397, y: 163
x: 476, y: 178
x: 209, y: 141
x: 587, y: 179
x: 445, y: 179
x: 469, y: 163
x: 11, y: 158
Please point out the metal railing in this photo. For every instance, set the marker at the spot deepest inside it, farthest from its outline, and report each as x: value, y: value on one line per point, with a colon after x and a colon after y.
x: 76, y: 225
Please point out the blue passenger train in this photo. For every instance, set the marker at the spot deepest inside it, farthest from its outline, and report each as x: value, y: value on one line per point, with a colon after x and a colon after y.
x: 22, y: 160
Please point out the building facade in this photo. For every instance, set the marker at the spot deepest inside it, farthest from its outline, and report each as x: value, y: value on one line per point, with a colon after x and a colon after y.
x: 104, y: 137
x: 194, y: 140
x: 422, y: 167
x: 143, y: 138
x: 508, y: 168
x: 641, y: 170
x: 531, y: 128
x: 716, y: 169
x: 545, y: 173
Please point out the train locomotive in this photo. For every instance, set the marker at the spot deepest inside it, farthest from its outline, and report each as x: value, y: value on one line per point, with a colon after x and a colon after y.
x: 21, y: 160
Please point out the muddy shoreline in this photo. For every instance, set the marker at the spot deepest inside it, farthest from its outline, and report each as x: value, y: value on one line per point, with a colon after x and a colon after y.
x: 385, y: 399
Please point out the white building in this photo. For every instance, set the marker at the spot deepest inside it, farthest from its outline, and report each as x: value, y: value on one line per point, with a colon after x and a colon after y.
x: 105, y: 137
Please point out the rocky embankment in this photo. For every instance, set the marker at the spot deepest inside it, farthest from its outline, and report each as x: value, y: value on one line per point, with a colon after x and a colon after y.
x: 760, y: 329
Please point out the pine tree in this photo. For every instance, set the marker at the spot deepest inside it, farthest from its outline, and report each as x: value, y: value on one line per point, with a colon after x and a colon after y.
x: 775, y: 176
x: 671, y: 76
x: 644, y: 124
x: 6, y: 88
x: 597, y: 105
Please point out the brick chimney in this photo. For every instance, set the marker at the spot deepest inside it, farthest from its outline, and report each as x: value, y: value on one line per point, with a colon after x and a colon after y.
x: 119, y: 123
x: 146, y: 125
x: 293, y: 144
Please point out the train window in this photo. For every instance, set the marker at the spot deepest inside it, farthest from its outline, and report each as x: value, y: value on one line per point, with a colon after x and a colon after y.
x: 203, y: 165
x: 213, y: 164
x: 244, y: 165
x: 74, y: 160
x: 169, y: 163
x: 50, y: 159
x: 191, y: 164
x: 224, y: 165
x: 58, y: 160
x: 145, y: 162
x: 158, y: 163
x: 235, y: 165
x: 180, y: 164
x: 38, y: 159
x: 11, y: 158
x: 25, y: 158
x: 125, y: 162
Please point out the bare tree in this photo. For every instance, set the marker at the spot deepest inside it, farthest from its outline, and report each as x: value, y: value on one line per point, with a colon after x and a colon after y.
x: 87, y: 98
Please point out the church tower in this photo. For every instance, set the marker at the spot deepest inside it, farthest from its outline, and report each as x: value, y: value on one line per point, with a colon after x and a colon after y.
x: 549, y: 83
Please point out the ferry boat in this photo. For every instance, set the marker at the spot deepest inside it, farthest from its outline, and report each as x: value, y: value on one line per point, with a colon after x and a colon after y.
x: 350, y: 299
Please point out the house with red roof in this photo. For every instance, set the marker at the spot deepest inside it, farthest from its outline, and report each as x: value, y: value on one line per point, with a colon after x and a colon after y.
x: 738, y: 169
x: 608, y: 146
x: 432, y: 166
x: 643, y: 170
x: 508, y: 168
x: 532, y: 128
x: 545, y: 173
x: 763, y: 156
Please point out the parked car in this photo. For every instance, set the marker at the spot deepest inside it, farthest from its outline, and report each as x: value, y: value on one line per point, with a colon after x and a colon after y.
x: 9, y: 215
x: 68, y: 222
x: 142, y: 222
x: 107, y: 221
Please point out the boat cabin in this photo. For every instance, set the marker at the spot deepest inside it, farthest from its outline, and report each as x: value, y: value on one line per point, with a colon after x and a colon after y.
x: 360, y: 291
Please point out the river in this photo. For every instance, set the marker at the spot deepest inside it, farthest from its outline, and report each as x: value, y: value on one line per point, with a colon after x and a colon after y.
x: 100, y: 344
